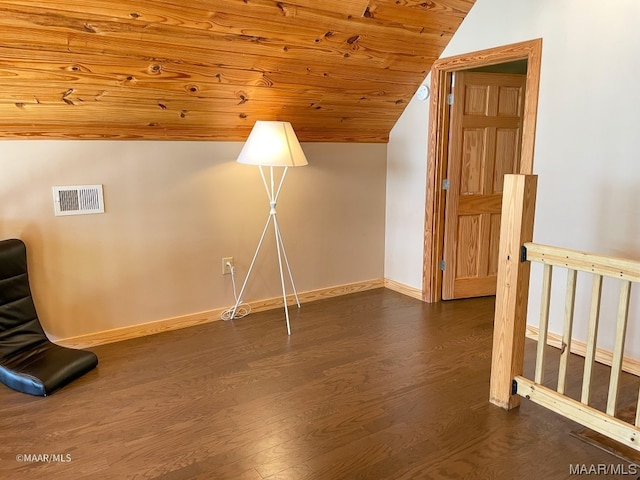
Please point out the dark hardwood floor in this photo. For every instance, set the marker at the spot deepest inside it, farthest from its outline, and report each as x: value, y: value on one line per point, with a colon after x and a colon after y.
x: 373, y: 385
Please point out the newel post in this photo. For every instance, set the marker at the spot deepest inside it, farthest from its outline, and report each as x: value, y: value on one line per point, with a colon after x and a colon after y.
x: 516, y: 229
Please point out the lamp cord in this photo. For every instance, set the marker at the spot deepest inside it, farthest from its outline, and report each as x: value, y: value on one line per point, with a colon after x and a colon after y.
x: 243, y: 309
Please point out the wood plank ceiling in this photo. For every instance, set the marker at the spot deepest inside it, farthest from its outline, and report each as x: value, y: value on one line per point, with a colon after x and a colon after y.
x: 338, y: 70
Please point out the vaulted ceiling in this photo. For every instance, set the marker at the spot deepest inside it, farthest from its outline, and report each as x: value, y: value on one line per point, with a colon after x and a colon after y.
x: 338, y: 70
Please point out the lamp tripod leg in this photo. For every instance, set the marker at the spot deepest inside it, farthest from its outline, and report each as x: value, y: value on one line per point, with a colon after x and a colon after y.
x: 279, y: 247
x: 253, y: 261
x: 286, y: 260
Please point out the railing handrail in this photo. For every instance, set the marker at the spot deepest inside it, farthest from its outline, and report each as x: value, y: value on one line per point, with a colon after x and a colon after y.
x: 608, y: 266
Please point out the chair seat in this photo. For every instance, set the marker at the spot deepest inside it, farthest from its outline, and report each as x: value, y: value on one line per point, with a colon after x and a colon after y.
x: 42, y: 369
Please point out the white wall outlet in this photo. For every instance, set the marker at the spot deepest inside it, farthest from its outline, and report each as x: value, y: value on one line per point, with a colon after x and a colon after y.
x: 227, y: 263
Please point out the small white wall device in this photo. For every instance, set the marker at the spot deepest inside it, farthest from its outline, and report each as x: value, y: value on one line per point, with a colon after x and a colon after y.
x: 423, y: 92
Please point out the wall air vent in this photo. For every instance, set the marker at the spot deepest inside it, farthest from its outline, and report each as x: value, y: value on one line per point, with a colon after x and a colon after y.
x: 78, y: 200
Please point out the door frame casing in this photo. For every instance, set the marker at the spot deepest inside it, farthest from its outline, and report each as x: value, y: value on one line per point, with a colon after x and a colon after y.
x: 437, y: 142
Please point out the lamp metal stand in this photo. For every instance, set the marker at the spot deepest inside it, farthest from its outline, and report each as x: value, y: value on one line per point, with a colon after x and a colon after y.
x: 273, y: 194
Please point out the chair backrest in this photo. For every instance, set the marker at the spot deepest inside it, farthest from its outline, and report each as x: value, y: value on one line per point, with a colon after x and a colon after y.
x: 19, y: 324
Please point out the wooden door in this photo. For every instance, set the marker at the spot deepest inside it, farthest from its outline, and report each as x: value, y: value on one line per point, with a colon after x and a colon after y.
x: 484, y: 145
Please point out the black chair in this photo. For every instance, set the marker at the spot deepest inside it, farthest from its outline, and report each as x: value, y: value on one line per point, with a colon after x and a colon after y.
x: 29, y: 362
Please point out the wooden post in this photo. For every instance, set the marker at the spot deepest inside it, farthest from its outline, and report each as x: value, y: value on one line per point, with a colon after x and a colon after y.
x: 516, y: 228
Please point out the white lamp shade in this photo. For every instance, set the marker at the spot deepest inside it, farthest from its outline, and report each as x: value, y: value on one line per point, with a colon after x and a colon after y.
x: 272, y: 144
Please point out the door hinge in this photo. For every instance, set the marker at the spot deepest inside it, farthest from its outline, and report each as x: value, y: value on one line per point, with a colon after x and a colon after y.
x: 450, y: 99
x: 443, y: 265
x: 445, y: 184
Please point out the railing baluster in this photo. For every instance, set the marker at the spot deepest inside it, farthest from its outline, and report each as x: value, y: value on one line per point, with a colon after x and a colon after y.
x: 569, y: 306
x: 592, y: 338
x: 637, y: 423
x: 544, y: 322
x: 618, y: 350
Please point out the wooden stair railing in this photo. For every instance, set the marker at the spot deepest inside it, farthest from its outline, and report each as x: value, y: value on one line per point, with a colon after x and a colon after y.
x: 516, y: 253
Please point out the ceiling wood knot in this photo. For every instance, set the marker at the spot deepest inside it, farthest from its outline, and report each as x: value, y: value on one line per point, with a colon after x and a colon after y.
x: 162, y: 106
x: 155, y: 69
x: 352, y: 40
x: 65, y: 96
x: 367, y: 13
x: 265, y: 81
x: 78, y: 68
x: 193, y: 88
x: 135, y: 15
x: 90, y: 28
x: 252, y: 38
x: 243, y: 98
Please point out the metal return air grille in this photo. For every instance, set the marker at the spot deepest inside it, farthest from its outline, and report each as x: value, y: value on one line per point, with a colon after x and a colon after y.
x: 78, y: 200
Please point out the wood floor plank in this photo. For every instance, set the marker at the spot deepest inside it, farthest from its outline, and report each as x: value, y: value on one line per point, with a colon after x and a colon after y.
x: 373, y: 385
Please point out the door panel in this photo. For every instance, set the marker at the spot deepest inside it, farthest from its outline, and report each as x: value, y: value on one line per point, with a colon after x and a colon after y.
x: 469, y: 228
x: 493, y: 247
x: 484, y: 145
x: 473, y: 141
x: 507, y: 146
x: 510, y: 101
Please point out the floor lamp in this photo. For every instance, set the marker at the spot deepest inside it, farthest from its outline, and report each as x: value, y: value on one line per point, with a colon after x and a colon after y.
x: 272, y: 144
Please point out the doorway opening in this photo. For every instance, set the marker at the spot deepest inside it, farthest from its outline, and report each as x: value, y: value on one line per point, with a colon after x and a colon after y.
x: 438, y: 145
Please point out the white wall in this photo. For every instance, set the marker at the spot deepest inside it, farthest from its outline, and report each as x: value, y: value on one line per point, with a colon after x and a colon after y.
x: 587, y: 143
x: 406, y: 196
x: 173, y: 210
